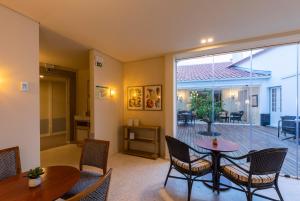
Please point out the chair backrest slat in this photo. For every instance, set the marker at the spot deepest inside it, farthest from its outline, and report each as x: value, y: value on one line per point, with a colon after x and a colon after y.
x: 96, y: 192
x: 178, y: 149
x: 10, y: 164
x: 267, y: 161
x: 95, y: 153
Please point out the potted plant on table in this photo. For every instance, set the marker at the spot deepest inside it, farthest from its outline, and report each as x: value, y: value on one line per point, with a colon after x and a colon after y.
x: 34, y: 178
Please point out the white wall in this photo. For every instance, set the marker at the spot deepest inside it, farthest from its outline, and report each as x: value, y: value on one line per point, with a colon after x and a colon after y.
x: 19, y: 61
x: 107, y: 114
x: 282, y: 62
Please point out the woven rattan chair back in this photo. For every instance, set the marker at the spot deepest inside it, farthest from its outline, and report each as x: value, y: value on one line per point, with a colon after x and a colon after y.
x: 267, y: 161
x: 95, y: 153
x: 9, y: 162
x: 96, y: 192
x: 178, y: 149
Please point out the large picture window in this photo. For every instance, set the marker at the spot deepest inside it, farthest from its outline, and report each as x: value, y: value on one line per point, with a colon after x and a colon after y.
x: 249, y: 96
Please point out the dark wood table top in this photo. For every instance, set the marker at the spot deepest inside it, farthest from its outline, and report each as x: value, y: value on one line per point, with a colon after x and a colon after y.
x: 223, y: 145
x: 56, y: 181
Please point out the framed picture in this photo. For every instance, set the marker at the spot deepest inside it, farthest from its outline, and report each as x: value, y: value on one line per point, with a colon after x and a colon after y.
x: 102, y: 92
x: 254, y: 100
x: 153, y: 97
x: 135, y: 98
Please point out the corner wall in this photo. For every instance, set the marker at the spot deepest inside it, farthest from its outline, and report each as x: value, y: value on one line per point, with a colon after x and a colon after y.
x: 19, y: 61
x: 106, y: 114
x: 141, y: 73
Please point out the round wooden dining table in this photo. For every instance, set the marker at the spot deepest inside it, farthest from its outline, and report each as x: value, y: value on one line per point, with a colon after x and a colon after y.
x: 56, y: 181
x: 216, y: 150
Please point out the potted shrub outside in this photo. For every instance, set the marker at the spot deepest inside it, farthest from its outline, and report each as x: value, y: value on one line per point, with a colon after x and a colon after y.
x: 202, y: 104
x: 34, y: 178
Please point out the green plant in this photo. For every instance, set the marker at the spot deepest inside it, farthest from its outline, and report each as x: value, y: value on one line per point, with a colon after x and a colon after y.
x: 202, y: 105
x: 35, y: 173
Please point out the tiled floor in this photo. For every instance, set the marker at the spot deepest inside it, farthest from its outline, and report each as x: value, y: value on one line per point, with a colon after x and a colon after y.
x: 139, y: 179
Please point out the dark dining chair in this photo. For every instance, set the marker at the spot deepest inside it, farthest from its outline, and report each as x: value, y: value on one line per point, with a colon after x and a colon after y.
x: 95, y: 154
x: 236, y: 116
x: 96, y: 192
x: 181, y: 160
x: 10, y: 164
x: 260, y: 172
x: 287, y: 125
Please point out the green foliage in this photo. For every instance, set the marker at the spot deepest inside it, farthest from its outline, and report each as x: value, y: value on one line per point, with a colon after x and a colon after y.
x: 35, y: 173
x: 202, y: 105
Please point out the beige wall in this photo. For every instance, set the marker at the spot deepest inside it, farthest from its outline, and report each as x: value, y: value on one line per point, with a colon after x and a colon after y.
x: 140, y: 73
x: 83, y: 75
x: 19, y: 61
x: 107, y: 113
x: 146, y: 72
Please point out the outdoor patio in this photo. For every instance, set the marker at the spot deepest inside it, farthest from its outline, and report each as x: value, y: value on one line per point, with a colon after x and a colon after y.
x: 263, y: 137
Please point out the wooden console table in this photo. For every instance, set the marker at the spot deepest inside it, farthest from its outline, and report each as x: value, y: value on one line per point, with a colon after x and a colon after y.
x: 144, y: 142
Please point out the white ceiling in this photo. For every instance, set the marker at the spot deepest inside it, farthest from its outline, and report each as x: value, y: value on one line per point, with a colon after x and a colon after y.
x: 136, y: 29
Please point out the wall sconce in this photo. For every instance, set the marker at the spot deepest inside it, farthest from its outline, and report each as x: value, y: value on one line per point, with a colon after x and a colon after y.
x: 112, y: 92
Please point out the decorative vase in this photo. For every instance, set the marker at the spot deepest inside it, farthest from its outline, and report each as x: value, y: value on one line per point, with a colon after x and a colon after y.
x: 136, y: 122
x: 34, y: 182
x: 215, y: 142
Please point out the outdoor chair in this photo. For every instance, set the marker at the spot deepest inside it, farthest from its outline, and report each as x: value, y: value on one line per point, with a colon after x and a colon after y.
x: 223, y: 116
x: 95, y: 154
x: 261, y: 171
x: 9, y: 162
x: 185, y: 117
x: 236, y: 116
x: 191, y: 168
x: 96, y: 192
x: 287, y: 125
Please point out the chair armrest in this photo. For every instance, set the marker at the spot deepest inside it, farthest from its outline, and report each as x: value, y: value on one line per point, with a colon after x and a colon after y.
x: 235, y: 158
x: 199, y: 152
x: 232, y: 162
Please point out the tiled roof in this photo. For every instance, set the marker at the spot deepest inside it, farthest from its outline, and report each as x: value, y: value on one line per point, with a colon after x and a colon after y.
x: 203, y: 72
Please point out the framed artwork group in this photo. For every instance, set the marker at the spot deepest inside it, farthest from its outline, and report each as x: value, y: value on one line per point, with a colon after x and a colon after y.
x: 147, y: 98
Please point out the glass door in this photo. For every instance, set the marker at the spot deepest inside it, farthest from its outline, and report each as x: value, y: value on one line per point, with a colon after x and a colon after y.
x: 54, y: 112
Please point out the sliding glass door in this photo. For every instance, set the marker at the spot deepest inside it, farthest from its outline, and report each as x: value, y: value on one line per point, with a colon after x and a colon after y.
x: 251, y: 97
x: 53, y: 107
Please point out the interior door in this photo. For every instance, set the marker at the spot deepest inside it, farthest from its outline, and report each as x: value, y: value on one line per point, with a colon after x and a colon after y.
x: 275, y: 105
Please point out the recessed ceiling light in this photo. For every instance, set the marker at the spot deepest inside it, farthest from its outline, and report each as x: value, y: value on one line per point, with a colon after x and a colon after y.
x: 209, y: 40
x: 42, y: 76
x: 203, y: 41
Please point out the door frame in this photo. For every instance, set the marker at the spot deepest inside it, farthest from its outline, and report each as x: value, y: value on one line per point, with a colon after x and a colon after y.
x: 270, y: 100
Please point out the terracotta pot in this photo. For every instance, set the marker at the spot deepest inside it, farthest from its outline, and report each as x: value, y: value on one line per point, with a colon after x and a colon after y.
x: 34, y: 182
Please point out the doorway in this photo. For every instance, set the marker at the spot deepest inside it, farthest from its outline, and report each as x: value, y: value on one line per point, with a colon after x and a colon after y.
x: 275, y: 105
x: 54, y: 112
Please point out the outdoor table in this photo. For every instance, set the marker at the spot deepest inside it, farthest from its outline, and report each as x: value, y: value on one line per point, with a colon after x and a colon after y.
x: 56, y: 181
x: 216, y: 150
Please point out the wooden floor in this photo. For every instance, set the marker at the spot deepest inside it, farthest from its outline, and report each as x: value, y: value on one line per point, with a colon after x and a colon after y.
x: 262, y: 137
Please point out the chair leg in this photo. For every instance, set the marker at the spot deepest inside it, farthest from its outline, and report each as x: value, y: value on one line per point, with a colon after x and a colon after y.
x: 278, y: 192
x: 190, y: 185
x: 249, y: 194
x: 168, y: 175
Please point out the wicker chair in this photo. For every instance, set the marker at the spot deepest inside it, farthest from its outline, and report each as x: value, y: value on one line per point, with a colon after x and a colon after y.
x: 260, y: 172
x: 181, y: 161
x: 96, y: 192
x: 95, y: 154
x: 9, y: 162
